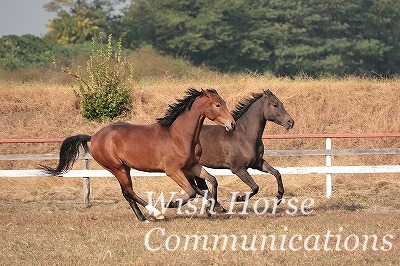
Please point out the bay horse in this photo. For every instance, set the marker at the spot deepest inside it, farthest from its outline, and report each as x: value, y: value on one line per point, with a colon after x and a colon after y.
x: 244, y: 148
x: 170, y: 145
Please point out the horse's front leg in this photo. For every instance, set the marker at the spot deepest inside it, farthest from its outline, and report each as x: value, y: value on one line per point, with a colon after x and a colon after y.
x: 186, y: 184
x: 267, y: 168
x: 198, y: 171
x: 248, y: 180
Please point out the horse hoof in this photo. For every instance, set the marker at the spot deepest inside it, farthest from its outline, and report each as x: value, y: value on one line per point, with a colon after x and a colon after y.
x: 159, y: 217
x: 240, y: 199
x: 208, y: 211
x: 171, y: 205
x: 220, y: 209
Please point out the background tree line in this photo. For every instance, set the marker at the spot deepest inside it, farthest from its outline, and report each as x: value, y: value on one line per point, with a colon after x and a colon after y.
x: 338, y: 37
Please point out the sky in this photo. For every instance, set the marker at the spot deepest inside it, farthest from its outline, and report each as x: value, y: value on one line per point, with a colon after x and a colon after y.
x: 21, y: 17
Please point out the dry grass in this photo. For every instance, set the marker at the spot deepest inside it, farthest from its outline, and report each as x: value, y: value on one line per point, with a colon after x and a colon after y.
x: 42, y: 220
x: 40, y: 110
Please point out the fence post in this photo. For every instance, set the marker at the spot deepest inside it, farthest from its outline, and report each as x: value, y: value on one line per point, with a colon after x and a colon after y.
x: 86, y: 184
x: 328, y: 163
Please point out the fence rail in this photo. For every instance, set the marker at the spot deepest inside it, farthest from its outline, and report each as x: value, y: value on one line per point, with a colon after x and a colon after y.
x: 387, y: 151
x: 328, y: 152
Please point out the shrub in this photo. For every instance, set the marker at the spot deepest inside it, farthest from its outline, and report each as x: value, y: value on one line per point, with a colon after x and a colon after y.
x: 106, y: 93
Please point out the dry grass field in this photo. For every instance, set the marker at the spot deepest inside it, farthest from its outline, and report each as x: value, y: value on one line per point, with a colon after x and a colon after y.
x: 43, y: 220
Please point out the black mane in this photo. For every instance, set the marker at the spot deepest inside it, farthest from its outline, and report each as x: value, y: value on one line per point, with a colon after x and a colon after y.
x: 180, y: 106
x: 244, y: 105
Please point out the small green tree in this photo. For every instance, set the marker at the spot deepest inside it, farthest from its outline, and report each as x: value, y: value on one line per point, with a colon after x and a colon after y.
x: 106, y: 93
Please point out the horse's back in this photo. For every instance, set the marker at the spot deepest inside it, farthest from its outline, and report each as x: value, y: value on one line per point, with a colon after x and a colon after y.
x: 131, y: 144
x: 123, y: 132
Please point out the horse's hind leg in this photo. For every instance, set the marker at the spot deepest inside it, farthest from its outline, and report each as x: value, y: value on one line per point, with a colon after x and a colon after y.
x: 125, y: 181
x: 133, y: 204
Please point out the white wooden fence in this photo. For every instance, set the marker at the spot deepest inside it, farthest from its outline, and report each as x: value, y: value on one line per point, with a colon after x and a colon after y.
x: 328, y: 169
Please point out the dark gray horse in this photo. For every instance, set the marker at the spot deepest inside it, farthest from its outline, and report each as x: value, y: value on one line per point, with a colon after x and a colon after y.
x: 244, y: 148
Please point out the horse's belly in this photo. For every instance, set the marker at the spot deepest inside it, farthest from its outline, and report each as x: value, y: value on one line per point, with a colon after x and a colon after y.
x: 213, y: 160
x: 143, y: 160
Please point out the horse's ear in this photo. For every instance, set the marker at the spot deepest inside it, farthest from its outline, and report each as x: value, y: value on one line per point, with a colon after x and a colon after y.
x: 205, y: 92
x: 268, y: 92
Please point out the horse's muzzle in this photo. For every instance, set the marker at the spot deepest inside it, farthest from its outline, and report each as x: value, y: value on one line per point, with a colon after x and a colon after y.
x: 289, y: 124
x: 231, y: 126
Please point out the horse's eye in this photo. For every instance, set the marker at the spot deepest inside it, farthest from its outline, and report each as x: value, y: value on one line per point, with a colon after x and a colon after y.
x: 218, y: 105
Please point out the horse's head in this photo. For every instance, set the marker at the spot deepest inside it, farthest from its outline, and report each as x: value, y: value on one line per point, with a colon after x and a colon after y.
x: 275, y: 112
x: 216, y: 110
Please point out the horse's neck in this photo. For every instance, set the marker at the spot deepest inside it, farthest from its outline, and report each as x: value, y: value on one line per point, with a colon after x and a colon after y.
x: 252, y: 122
x: 186, y: 128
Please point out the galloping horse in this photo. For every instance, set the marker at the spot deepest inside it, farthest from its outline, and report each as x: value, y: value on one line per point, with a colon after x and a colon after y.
x: 172, y: 146
x: 243, y: 148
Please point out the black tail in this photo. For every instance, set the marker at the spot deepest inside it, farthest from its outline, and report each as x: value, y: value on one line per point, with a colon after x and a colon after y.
x: 69, y: 152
